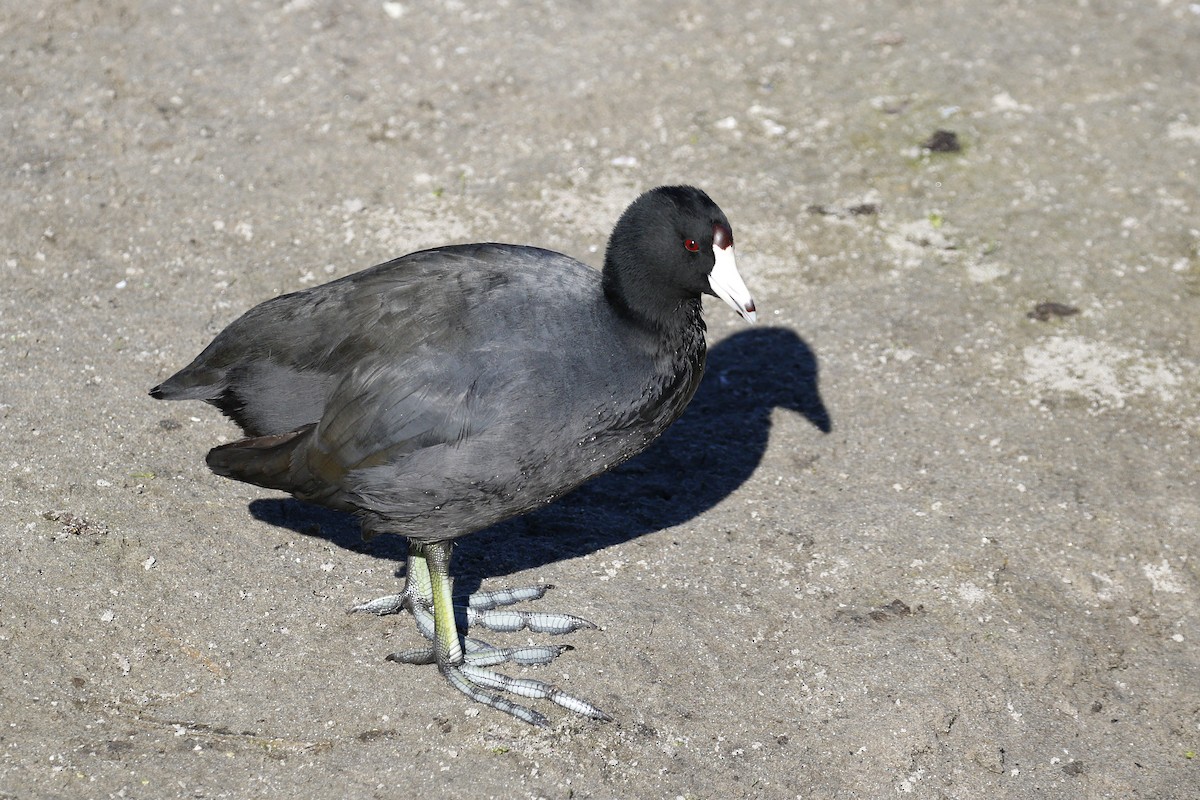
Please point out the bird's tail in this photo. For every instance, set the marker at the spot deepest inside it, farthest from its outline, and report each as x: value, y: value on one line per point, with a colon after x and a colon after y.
x: 273, y: 462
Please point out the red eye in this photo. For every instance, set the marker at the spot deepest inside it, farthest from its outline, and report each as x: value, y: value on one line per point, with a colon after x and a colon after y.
x: 690, y: 244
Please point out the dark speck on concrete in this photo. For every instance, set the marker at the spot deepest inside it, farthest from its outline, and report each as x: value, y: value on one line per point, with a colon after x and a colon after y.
x: 1042, y: 312
x: 942, y: 141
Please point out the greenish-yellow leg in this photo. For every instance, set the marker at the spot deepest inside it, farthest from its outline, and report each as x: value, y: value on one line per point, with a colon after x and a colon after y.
x: 446, y: 647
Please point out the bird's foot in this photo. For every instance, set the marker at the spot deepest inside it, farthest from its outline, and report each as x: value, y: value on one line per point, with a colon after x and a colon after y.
x: 486, y: 686
x: 473, y: 678
x: 480, y: 601
x: 489, y: 610
x: 465, y: 660
x: 475, y: 682
x: 475, y: 651
x: 498, y: 598
x: 380, y: 606
x: 507, y: 620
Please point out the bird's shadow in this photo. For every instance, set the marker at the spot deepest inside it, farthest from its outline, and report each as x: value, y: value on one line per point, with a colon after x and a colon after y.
x: 701, y: 459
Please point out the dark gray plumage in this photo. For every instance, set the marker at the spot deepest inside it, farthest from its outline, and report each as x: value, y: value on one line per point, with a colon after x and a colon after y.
x: 447, y: 390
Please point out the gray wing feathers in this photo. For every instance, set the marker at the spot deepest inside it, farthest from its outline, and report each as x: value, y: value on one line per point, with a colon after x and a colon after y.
x: 382, y: 377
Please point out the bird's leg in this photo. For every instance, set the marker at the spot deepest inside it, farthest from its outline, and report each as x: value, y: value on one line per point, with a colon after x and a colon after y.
x: 418, y: 585
x: 466, y: 670
x: 446, y: 646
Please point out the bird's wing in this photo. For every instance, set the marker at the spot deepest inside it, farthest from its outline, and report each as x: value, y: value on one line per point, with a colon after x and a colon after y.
x: 272, y: 368
x: 384, y: 410
x: 381, y: 415
x: 394, y: 432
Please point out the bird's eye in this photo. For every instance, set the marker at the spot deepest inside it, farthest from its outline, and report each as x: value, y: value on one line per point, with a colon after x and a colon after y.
x: 691, y: 245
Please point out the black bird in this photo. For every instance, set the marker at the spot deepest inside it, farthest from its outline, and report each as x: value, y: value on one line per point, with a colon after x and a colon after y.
x: 449, y: 389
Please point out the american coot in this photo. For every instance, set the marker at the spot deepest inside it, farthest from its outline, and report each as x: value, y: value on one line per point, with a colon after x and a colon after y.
x: 450, y: 389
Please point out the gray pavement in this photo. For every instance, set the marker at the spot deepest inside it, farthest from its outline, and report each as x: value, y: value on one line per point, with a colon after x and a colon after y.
x: 982, y: 581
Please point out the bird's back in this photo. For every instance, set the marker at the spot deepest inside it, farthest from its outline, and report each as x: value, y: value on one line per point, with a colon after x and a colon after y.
x: 441, y: 392
x: 273, y: 369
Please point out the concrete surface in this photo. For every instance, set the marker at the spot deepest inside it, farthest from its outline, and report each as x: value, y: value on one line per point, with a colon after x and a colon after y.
x: 982, y: 582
